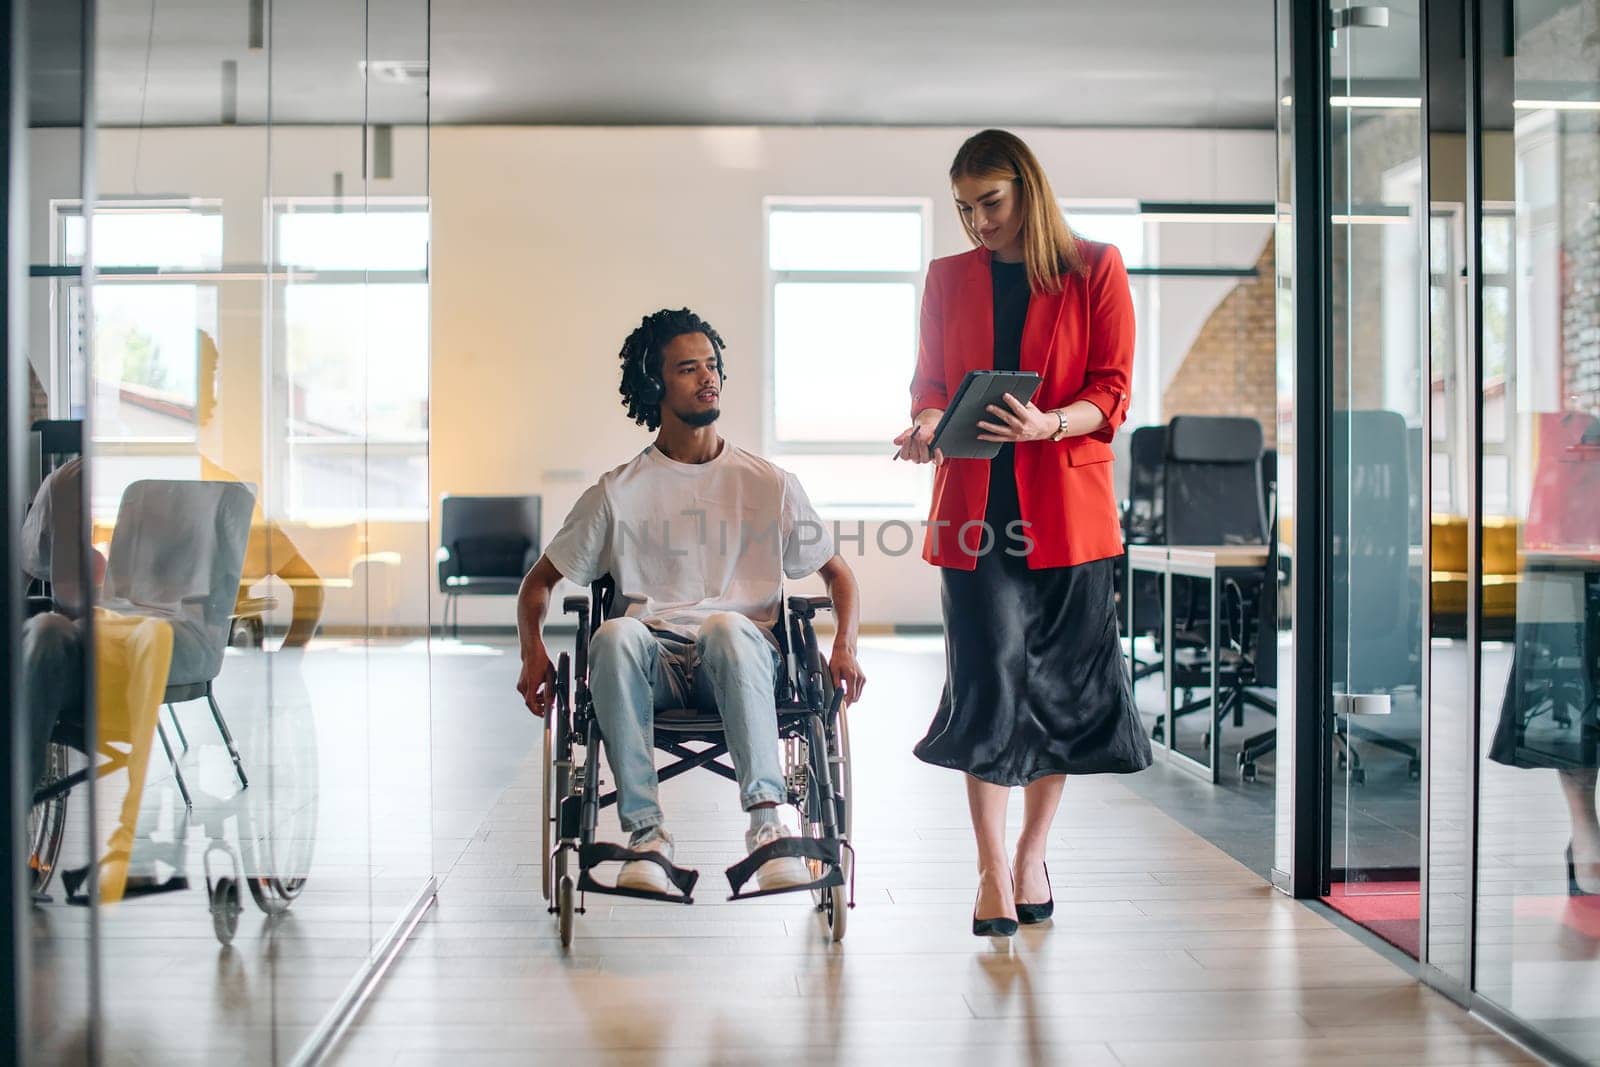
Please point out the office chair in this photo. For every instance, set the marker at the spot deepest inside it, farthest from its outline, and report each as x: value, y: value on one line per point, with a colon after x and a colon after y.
x: 1370, y: 578
x: 486, y: 545
x: 1142, y: 525
x: 176, y: 553
x: 1214, y: 493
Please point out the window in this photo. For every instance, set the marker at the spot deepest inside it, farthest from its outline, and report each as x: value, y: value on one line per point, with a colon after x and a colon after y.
x: 152, y: 302
x: 1120, y: 223
x: 351, y: 362
x: 844, y: 298
x: 1117, y: 224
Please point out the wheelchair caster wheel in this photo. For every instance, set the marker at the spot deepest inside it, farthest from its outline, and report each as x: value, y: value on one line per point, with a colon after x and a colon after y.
x: 1341, y: 762
x: 225, y: 909
x: 1358, y: 776
x: 1158, y: 733
x: 1247, y: 772
x: 836, y: 907
x: 564, y: 910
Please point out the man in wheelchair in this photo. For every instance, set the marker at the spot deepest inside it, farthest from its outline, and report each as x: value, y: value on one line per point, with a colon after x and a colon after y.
x: 698, y: 535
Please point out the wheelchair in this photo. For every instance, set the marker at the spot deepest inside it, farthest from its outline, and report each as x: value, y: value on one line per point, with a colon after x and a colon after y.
x: 815, y: 757
x: 270, y: 859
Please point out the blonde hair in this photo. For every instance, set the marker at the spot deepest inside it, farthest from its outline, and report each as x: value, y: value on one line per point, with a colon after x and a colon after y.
x: 1048, y: 247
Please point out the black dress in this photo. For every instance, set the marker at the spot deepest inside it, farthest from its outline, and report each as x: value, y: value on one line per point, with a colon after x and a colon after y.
x: 1035, y: 680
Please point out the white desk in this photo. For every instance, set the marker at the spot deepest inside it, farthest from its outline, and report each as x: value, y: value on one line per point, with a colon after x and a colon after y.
x: 1214, y: 564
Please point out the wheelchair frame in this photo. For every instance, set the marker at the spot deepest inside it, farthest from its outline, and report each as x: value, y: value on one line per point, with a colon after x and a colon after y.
x: 47, y: 821
x: 815, y: 743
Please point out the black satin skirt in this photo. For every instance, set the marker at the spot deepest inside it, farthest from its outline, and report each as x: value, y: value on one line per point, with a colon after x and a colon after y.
x: 1035, y: 682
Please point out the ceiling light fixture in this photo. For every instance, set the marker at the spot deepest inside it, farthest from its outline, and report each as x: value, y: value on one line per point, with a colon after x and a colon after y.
x: 1378, y: 102
x: 1556, y: 105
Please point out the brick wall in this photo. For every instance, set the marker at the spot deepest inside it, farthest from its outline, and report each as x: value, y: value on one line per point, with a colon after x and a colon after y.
x: 1232, y: 367
x: 38, y: 404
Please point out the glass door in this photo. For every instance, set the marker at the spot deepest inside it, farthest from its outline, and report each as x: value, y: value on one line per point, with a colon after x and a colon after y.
x: 1376, y: 427
x: 1537, y: 388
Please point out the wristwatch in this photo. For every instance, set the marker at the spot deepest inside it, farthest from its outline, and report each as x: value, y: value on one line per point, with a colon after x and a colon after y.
x: 1061, y: 431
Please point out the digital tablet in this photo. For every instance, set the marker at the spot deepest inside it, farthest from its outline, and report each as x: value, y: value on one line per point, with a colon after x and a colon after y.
x: 957, y: 433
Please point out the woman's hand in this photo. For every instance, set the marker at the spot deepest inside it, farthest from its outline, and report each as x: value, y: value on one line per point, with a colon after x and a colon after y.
x: 913, y: 442
x: 1018, y: 422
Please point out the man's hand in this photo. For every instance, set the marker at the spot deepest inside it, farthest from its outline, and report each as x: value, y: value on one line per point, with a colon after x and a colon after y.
x: 914, y: 441
x: 847, y: 672
x: 538, y: 681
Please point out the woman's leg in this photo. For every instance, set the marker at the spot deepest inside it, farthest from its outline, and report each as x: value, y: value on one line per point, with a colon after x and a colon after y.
x: 1578, y: 788
x: 1040, y: 798
x: 988, y: 805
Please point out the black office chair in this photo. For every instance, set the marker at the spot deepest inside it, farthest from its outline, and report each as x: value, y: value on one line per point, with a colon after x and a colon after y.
x: 1214, y: 493
x: 486, y: 545
x: 1262, y: 622
x: 1374, y: 617
x: 1142, y: 525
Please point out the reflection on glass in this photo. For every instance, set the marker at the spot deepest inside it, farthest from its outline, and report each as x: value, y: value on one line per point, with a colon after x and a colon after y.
x: 1538, y: 950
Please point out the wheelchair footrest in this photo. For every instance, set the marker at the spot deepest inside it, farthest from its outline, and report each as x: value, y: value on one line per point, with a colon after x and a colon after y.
x: 591, y: 856
x: 823, y: 849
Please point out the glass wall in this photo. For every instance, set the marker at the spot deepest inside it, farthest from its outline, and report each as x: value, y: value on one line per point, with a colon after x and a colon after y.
x: 229, y: 324
x: 65, y: 830
x: 1374, y: 476
x: 1536, y: 376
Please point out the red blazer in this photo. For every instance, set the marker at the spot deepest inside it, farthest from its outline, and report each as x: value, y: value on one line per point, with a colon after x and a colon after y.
x: 1080, y: 341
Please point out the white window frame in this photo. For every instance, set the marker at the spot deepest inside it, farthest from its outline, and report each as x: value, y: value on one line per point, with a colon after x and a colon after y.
x: 276, y: 365
x: 773, y: 445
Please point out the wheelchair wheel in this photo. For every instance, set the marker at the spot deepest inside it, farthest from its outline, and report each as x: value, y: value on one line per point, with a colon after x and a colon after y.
x: 844, y: 778
x: 564, y: 909
x: 225, y: 909
x: 47, y: 825
x: 836, y: 901
x: 557, y: 724
x: 274, y: 895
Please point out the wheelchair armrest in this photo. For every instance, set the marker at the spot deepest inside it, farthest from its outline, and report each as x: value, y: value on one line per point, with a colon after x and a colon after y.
x: 807, y: 606
x: 578, y: 602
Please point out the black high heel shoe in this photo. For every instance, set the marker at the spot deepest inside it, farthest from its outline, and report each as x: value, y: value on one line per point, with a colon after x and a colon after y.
x: 996, y: 927
x: 1573, y: 888
x: 1029, y: 914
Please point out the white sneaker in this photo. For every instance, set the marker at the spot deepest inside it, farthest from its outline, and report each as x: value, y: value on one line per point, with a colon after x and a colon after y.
x: 783, y: 872
x: 643, y: 874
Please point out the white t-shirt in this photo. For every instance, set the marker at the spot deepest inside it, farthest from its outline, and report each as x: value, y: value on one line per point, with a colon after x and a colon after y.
x: 685, y: 540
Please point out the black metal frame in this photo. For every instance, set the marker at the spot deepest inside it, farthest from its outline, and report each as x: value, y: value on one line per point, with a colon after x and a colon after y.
x: 808, y: 708
x: 1307, y: 28
x: 14, y: 807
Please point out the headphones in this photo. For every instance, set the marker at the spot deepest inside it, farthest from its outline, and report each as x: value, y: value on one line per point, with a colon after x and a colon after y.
x: 653, y: 389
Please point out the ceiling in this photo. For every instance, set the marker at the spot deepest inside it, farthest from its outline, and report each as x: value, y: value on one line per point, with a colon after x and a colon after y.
x: 695, y: 62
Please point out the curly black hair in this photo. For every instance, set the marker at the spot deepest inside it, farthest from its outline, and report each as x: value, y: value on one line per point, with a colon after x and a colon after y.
x: 641, y: 360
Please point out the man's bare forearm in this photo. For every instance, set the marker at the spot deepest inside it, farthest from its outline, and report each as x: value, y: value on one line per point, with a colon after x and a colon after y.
x: 845, y: 594
x: 533, y: 604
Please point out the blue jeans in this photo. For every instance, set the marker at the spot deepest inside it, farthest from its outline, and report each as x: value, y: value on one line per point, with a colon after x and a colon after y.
x: 732, y: 667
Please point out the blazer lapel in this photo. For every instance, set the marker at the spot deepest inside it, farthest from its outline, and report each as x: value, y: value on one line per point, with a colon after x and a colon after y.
x: 1040, y: 330
x: 976, y: 301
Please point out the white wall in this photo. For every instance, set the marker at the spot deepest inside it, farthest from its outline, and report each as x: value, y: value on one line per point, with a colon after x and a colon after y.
x: 550, y: 243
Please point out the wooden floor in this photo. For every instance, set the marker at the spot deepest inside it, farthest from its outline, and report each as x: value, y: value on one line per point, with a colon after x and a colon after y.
x: 1163, y: 949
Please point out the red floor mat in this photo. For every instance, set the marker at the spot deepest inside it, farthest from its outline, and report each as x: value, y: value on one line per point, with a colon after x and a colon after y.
x: 1392, y: 910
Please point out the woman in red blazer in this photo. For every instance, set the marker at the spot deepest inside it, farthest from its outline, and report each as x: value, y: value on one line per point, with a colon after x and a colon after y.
x: 1026, y: 542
